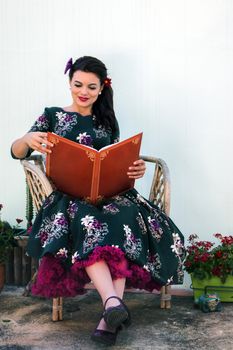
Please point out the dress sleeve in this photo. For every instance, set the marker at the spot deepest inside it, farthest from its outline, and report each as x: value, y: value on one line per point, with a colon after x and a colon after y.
x: 115, y: 137
x: 42, y: 124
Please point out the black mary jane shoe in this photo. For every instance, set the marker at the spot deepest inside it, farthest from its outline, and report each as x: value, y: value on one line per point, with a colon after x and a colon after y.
x: 105, y: 337
x: 116, y: 316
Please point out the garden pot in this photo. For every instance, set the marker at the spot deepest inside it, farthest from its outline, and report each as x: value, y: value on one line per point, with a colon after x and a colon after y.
x: 2, y: 276
x: 213, y: 284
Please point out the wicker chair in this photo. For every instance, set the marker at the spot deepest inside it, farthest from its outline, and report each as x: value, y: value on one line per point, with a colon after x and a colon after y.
x: 40, y: 187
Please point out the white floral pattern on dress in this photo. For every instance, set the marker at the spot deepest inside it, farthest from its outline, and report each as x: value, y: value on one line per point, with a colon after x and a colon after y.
x: 65, y: 123
x: 95, y: 232
x: 84, y: 139
x: 177, y: 247
x: 110, y: 209
x: 52, y: 228
x: 141, y: 223
x: 157, y: 214
x: 133, y: 246
x: 155, y: 229
x: 100, y: 132
x: 41, y: 124
x: 75, y: 257
x: 122, y: 201
x: 49, y: 200
x: 142, y: 200
x: 153, y: 265
x: 139, y: 200
x: 62, y: 253
x: 72, y: 209
x: 180, y: 271
x: 169, y: 280
x: 117, y: 139
x: 179, y: 251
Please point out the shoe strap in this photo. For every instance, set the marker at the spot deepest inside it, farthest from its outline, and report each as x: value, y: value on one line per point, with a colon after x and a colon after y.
x: 115, y: 297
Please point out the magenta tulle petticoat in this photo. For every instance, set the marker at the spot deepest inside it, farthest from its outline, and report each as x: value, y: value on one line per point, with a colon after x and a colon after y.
x: 54, y: 279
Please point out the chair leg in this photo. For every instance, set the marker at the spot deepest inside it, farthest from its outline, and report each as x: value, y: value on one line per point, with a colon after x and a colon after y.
x: 60, y: 309
x: 165, y: 299
x: 27, y: 289
x: 57, y: 309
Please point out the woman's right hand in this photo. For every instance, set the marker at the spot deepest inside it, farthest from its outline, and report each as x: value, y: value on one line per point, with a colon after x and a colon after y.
x: 37, y: 141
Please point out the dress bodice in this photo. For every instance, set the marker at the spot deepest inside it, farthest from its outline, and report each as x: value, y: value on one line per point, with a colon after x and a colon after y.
x: 75, y: 127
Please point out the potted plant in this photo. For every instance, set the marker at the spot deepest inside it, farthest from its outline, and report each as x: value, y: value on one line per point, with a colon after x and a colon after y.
x: 7, y: 243
x: 211, y: 266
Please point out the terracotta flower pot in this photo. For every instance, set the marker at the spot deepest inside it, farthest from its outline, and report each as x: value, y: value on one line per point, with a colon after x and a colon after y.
x: 2, y: 276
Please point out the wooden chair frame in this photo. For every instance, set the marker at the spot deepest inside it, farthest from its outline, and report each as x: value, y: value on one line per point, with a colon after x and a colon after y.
x: 40, y: 187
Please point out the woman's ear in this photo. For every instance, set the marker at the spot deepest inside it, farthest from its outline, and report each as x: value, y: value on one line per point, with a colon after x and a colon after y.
x: 101, y: 89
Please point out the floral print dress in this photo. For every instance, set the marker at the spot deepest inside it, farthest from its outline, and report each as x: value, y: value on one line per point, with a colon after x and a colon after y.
x: 135, y: 238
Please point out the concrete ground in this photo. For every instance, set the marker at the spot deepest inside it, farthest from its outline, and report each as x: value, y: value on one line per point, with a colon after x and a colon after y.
x: 25, y: 324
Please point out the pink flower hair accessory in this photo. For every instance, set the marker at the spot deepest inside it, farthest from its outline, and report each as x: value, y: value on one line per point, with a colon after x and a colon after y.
x: 69, y: 65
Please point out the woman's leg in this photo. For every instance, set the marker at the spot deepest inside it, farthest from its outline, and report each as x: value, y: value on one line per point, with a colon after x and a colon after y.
x: 101, y: 277
x: 119, y: 286
x: 119, y: 283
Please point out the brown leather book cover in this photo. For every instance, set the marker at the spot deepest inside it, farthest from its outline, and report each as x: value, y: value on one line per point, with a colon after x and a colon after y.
x: 84, y: 172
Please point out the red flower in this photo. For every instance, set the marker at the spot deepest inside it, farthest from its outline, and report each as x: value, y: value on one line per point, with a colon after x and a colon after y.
x: 205, y: 259
x: 107, y: 81
x: 226, y: 240
x: 216, y: 271
x: 187, y: 263
x: 218, y: 254
x: 218, y: 235
x: 192, y: 237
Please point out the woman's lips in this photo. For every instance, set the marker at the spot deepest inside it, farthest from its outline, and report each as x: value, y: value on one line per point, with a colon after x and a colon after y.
x: 83, y: 99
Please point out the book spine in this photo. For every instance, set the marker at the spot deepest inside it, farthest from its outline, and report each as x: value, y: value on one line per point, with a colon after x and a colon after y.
x: 48, y: 165
x: 95, y: 179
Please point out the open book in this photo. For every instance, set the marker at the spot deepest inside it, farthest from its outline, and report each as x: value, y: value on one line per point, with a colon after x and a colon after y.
x: 83, y: 172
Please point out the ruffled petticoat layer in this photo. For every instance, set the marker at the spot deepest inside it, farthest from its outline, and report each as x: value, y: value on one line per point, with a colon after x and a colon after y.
x: 55, y: 279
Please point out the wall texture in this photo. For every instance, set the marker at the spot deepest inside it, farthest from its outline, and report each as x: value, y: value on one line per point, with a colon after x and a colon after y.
x: 171, y: 63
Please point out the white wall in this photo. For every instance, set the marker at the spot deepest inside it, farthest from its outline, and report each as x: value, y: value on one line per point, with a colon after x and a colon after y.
x: 171, y: 62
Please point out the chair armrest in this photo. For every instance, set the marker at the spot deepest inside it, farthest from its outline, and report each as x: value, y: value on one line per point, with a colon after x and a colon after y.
x: 39, y: 185
x: 160, y: 187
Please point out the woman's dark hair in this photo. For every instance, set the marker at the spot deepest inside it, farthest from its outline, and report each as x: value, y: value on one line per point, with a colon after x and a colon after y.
x: 103, y: 106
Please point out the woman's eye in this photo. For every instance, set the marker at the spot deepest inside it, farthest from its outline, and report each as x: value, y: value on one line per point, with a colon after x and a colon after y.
x: 90, y: 87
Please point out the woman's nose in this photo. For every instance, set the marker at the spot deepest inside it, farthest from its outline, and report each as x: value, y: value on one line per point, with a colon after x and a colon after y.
x: 84, y: 90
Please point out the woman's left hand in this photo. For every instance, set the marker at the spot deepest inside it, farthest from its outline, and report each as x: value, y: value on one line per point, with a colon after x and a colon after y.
x: 137, y: 170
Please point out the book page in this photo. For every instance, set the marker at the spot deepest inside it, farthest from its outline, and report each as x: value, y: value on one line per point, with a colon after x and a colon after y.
x: 115, y: 163
x: 70, y: 168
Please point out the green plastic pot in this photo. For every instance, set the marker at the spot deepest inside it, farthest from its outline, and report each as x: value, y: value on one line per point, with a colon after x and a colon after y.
x: 213, y: 284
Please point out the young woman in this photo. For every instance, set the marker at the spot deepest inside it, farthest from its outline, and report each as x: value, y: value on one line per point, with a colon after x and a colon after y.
x: 121, y: 240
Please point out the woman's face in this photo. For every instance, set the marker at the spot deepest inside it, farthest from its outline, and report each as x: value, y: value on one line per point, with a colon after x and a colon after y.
x: 85, y: 88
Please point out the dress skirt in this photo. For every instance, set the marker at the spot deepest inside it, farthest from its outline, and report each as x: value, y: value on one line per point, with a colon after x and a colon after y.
x: 133, y: 236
